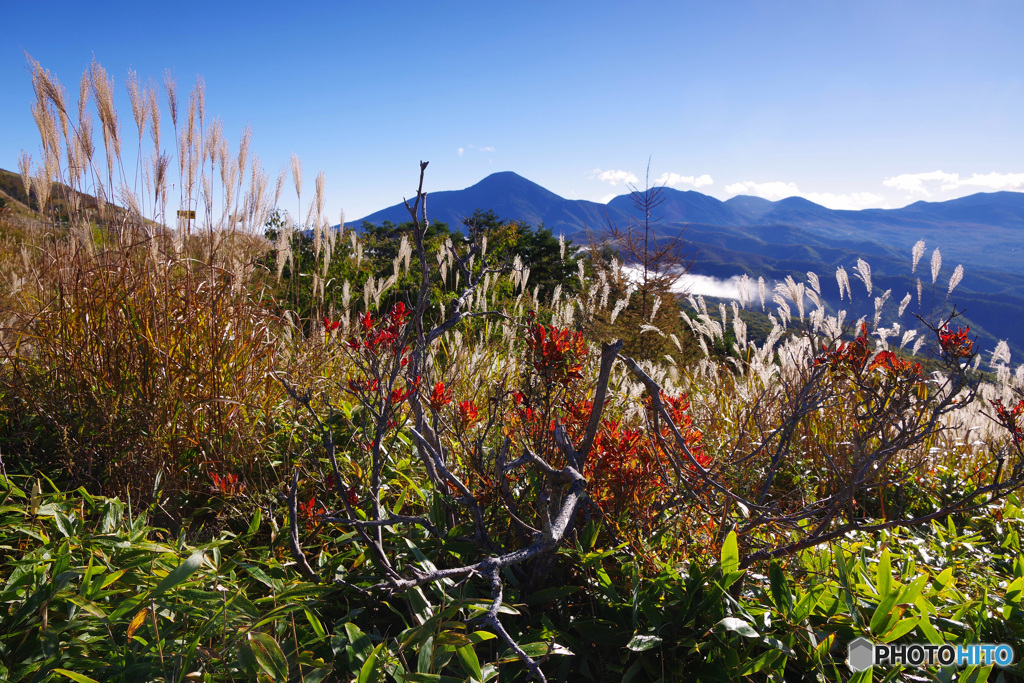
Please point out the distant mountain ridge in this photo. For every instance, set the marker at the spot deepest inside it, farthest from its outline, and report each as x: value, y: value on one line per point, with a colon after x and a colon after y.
x: 981, y: 229
x: 774, y: 239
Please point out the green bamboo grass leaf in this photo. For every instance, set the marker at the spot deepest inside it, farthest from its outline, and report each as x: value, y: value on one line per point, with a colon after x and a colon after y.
x: 180, y: 573
x: 318, y: 627
x: 864, y: 676
x: 882, y: 613
x: 359, y: 643
x: 254, y: 525
x: 730, y: 554
x: 643, y: 641
x: 760, y: 662
x: 781, y: 595
x: 269, y: 656
x: 913, y: 590
x: 78, y: 678
x: 370, y: 671
x: 470, y: 662
x: 737, y: 625
x: 884, y: 574
x: 900, y: 629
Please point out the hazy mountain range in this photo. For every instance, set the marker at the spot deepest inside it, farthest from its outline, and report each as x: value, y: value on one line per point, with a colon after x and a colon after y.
x: 791, y: 236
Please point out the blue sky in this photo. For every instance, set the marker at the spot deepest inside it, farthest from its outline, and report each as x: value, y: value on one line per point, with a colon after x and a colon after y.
x: 850, y: 104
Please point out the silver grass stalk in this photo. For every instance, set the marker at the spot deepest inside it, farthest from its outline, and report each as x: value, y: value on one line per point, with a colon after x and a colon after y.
x: 43, y: 186
x: 1001, y: 354
x: 103, y: 93
x: 761, y: 290
x: 321, y: 181
x: 561, y: 246
x: 154, y: 117
x: 296, y: 165
x: 954, y: 279
x: 843, y: 280
x: 917, y: 253
x: 138, y: 100
x: 903, y: 304
x: 863, y: 272
x: 907, y: 336
x: 200, y: 90
x: 171, y: 88
x: 812, y: 277
x: 920, y: 290
x: 279, y: 187
x: 243, y: 150
x: 936, y: 264
x: 283, y: 246
x: 25, y: 167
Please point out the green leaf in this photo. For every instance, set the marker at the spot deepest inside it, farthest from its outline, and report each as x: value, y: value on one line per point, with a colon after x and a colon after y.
x: 913, y: 590
x: 730, y: 554
x: 882, y: 613
x: 642, y: 641
x: 318, y: 627
x: 254, y: 525
x: 370, y: 671
x: 180, y: 573
x: 78, y: 678
x: 361, y: 645
x: 760, y: 662
x: 862, y: 676
x: 737, y: 626
x: 781, y: 595
x: 425, y: 657
x: 469, y: 661
x: 899, y: 629
x: 269, y: 656
x: 884, y: 574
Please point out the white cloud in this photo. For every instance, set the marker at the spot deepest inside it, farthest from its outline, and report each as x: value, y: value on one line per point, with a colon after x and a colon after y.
x: 771, y: 190
x: 926, y: 184
x: 996, y: 181
x: 915, y: 182
x: 607, y: 198
x: 776, y: 190
x: 474, y: 148
x: 674, y: 180
x: 613, y: 178
x: 705, y: 285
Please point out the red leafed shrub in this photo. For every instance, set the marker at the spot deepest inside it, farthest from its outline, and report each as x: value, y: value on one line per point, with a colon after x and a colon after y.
x: 557, y: 355
x: 956, y: 344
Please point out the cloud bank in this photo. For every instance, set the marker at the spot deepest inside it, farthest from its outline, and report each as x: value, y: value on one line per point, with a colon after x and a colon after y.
x: 613, y: 178
x: 776, y: 190
x: 926, y: 184
x: 675, y: 180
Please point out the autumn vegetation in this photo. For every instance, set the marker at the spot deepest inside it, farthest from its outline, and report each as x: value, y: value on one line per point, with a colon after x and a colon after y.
x: 243, y: 445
